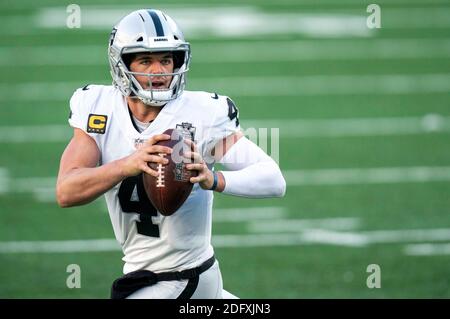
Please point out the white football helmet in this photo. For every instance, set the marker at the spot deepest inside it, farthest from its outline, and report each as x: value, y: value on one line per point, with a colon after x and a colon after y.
x: 148, y: 31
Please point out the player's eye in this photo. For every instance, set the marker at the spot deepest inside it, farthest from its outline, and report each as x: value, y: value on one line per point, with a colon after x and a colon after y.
x: 166, y: 61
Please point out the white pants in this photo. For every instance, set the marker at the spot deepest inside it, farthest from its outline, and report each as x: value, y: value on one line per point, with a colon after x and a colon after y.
x: 208, y: 286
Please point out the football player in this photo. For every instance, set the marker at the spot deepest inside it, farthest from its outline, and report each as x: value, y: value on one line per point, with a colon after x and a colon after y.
x: 115, y: 131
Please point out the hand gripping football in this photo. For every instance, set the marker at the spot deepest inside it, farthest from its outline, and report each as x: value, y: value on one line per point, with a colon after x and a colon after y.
x: 172, y: 187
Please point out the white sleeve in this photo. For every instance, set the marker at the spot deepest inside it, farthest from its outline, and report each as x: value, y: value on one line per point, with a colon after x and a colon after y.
x: 83, y: 105
x: 222, y: 122
x: 251, y: 172
x: 77, y: 116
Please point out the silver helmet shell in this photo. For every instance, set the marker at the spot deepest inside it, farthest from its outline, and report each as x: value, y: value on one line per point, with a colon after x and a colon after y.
x: 148, y: 31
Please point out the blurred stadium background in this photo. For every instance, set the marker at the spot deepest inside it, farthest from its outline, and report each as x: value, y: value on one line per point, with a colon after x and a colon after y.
x: 364, y: 124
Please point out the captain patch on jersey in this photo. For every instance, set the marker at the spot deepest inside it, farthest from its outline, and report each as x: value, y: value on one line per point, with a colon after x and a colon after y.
x: 96, y: 123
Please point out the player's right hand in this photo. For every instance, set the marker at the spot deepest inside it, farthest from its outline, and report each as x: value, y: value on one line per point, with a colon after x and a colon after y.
x: 138, y: 161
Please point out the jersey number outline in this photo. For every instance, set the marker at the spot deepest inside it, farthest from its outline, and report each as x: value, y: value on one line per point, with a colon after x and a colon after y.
x: 143, y: 206
x: 233, y: 111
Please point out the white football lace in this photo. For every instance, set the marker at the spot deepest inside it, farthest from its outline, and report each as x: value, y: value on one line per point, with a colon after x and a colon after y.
x: 160, y: 179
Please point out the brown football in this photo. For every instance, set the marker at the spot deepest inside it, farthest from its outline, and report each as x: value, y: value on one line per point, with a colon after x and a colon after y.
x: 171, y: 189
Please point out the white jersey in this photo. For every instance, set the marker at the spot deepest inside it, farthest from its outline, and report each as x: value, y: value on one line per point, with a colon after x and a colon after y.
x: 150, y: 240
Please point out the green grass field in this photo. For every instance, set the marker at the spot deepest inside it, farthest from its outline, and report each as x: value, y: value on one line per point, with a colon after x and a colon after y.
x: 364, y: 124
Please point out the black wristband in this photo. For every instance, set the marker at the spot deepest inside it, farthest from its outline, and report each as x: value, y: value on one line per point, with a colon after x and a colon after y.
x: 214, y: 185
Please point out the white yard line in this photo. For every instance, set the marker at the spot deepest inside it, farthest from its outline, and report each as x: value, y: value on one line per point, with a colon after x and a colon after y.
x: 335, y: 238
x: 30, y: 184
x: 365, y: 238
x: 296, y: 225
x: 45, y: 194
x: 287, y: 128
x: 329, y: 237
x: 4, y: 181
x: 406, y: 235
x: 35, y: 133
x: 62, y: 246
x: 220, y: 21
x: 258, y: 240
x: 297, y: 128
x: 239, y: 52
x: 43, y: 187
x: 97, y: 245
x: 350, y: 176
x: 305, y: 237
x: 327, y: 84
x: 250, y: 20
x: 262, y: 86
x: 427, y: 249
x: 359, y: 239
x: 307, y: 50
x: 344, y: 4
x: 238, y: 21
x: 417, y: 18
x: 40, y: 91
x: 248, y: 213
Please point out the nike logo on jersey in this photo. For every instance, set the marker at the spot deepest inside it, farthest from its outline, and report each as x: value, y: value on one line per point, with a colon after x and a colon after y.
x: 85, y: 88
x: 215, y: 97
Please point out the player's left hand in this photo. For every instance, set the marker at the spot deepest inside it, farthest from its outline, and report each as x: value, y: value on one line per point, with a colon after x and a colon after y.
x: 195, y: 162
